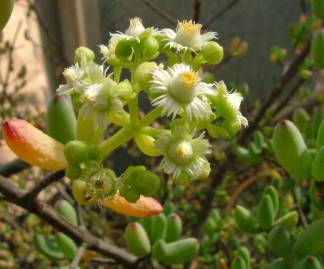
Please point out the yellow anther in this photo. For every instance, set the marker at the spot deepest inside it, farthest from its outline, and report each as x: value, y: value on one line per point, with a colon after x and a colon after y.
x: 189, y: 79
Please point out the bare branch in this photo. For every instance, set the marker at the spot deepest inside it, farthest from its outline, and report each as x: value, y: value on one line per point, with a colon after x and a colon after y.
x: 159, y: 11
x: 42, y: 210
x: 78, y: 256
x: 32, y: 194
x: 219, y: 14
x: 13, y: 167
x: 196, y: 10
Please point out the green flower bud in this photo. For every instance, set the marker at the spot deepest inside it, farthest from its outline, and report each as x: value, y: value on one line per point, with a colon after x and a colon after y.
x: 290, y: 150
x: 279, y: 242
x: 150, y: 48
x: 238, y: 263
x: 65, y: 209
x: 310, y: 262
x: 6, y: 7
x: 318, y: 8
x: 80, y: 192
x: 288, y: 220
x: 60, y: 119
x: 318, y: 165
x: 318, y: 48
x: 143, y: 74
x: 83, y: 54
x: 91, y: 124
x: 146, y: 144
x: 124, y: 90
x: 66, y: 245
x: 212, y: 52
x: 158, y: 230
x: 311, y: 241
x: 320, y: 135
x: 129, y: 194
x: 76, y: 152
x: 102, y: 184
x: 232, y: 126
x: 147, y: 183
x: 119, y: 117
x: 177, y: 252
x: 266, y: 212
x: 124, y: 49
x: 95, y: 152
x: 137, y: 240
x: 173, y: 228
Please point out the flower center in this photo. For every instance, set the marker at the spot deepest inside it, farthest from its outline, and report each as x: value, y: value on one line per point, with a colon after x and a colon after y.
x: 189, y: 80
x: 181, y: 152
x: 101, y: 185
x: 187, y: 26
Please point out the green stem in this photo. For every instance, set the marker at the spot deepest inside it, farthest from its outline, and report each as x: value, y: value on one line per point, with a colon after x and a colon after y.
x: 117, y: 73
x: 151, y: 116
x: 153, y: 131
x: 119, y: 138
x: 133, y: 110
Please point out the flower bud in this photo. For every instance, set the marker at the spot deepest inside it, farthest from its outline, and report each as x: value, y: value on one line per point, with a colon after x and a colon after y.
x: 124, y: 49
x: 150, y: 48
x: 119, y: 117
x: 147, y: 183
x: 124, y: 89
x: 143, y: 74
x: 146, y: 144
x: 73, y: 171
x: 80, y: 194
x: 212, y: 52
x: 83, y: 54
x: 76, y: 152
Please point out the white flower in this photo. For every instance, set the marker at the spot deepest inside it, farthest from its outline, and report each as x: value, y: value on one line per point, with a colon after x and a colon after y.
x: 187, y: 36
x: 180, y: 89
x: 183, y: 155
x: 108, y: 51
x: 134, y: 30
x: 74, y: 77
x: 229, y: 103
x: 235, y: 100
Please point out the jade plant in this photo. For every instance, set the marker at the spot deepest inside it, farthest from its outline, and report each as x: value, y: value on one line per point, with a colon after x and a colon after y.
x: 163, y: 65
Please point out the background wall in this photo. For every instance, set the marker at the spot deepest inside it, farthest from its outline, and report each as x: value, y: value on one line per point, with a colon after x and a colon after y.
x: 261, y: 23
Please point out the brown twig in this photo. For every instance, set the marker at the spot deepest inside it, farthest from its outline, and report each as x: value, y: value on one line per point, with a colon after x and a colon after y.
x: 219, y: 14
x: 159, y: 11
x: 32, y: 194
x: 13, y: 167
x: 244, y: 185
x: 42, y: 210
x: 78, y: 256
x: 196, y: 10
